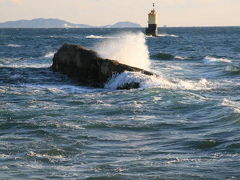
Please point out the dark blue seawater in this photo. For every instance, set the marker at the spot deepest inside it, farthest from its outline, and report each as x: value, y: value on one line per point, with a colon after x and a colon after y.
x: 184, y: 124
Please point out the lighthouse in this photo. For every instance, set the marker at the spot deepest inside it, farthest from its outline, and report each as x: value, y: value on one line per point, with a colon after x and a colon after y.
x: 152, y: 23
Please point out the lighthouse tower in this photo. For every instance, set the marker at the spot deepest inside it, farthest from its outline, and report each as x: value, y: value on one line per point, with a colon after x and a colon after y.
x: 152, y: 23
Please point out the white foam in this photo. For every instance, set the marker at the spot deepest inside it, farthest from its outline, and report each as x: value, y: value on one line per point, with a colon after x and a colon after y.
x: 14, y: 45
x: 99, y: 37
x: 163, y: 35
x: 49, y: 157
x: 94, y: 37
x: 49, y: 54
x: 167, y: 35
x: 180, y: 57
x: 70, y: 125
x: 212, y: 60
x: 130, y: 49
x: 27, y: 64
x: 232, y: 104
x: 157, y: 81
x: 4, y: 156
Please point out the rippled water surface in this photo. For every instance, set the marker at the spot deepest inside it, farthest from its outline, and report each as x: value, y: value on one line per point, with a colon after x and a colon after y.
x: 183, y: 124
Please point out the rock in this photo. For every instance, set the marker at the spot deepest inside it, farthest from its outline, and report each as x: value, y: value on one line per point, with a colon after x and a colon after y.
x: 88, y: 68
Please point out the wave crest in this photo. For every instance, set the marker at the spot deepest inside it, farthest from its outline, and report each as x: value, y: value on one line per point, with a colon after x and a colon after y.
x: 235, y: 106
x: 14, y: 45
x: 99, y: 37
x: 232, y: 68
x: 49, y: 55
x: 213, y: 60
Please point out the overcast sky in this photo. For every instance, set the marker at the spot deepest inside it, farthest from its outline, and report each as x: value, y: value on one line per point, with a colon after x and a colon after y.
x: 103, y: 12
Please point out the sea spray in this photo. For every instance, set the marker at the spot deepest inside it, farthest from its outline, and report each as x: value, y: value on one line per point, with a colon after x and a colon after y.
x: 129, y: 48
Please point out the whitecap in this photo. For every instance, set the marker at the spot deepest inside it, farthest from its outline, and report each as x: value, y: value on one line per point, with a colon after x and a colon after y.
x: 52, y: 158
x: 99, y: 37
x: 212, y: 60
x: 70, y: 125
x: 49, y: 54
x: 180, y: 58
x: 167, y: 35
x: 163, y: 35
x: 14, y: 45
x: 231, y: 104
x: 4, y: 156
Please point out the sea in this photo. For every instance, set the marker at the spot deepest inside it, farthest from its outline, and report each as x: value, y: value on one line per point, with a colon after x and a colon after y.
x: 183, y: 123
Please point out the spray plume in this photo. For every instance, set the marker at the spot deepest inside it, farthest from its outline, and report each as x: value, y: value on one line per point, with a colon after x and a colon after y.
x: 128, y: 48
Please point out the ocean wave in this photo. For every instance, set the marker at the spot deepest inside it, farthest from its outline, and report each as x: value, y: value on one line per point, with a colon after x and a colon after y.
x: 51, y: 158
x: 49, y: 54
x: 231, y: 104
x: 163, y: 35
x: 120, y: 80
x: 26, y: 63
x: 167, y: 35
x: 166, y: 56
x: 232, y: 68
x: 5, y: 61
x: 180, y: 57
x: 59, y: 89
x: 213, y: 60
x: 14, y: 45
x: 163, y: 56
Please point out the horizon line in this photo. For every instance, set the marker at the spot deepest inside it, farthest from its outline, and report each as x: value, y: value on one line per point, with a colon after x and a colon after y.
x: 102, y: 26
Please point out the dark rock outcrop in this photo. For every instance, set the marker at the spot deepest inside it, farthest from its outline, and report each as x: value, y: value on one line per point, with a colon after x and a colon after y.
x: 88, y: 68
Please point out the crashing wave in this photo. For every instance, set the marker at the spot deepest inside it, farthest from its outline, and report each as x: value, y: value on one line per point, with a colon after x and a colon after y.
x: 144, y: 81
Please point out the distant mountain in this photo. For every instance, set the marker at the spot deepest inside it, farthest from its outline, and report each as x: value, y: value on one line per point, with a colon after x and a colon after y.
x: 125, y: 24
x: 58, y: 23
x: 41, y: 23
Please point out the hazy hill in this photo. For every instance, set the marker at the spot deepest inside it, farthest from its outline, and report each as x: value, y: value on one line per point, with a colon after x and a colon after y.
x: 41, y: 23
x: 125, y: 24
x: 58, y: 23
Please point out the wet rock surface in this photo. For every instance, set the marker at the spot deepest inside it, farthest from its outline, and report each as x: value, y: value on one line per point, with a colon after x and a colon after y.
x: 86, y: 67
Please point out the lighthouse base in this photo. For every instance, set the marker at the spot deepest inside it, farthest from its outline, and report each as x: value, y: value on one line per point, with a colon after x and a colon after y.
x: 152, y: 30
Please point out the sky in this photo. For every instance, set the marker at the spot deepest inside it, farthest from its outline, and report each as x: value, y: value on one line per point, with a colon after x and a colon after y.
x: 173, y: 13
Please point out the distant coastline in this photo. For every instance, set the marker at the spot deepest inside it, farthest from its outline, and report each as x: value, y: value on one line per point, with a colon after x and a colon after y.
x: 58, y: 23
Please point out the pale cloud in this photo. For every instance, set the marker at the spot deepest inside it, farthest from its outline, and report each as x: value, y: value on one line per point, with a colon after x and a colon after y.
x: 18, y: 2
